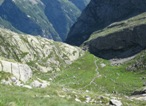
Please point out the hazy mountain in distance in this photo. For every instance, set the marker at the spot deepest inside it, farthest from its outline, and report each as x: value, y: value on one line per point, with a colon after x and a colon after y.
x: 49, y: 18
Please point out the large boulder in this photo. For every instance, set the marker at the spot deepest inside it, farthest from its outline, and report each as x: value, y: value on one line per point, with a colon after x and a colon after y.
x: 21, y: 71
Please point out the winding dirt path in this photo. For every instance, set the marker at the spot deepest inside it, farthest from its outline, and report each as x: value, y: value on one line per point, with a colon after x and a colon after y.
x: 96, y: 76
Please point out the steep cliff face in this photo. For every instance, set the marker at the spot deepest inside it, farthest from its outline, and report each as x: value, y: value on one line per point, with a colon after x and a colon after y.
x: 99, y: 14
x: 48, y: 18
x: 120, y: 39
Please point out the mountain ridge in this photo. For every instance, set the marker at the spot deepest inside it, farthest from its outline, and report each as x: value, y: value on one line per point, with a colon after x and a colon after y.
x: 119, y: 40
x: 94, y: 17
x: 40, y: 17
x: 38, y: 71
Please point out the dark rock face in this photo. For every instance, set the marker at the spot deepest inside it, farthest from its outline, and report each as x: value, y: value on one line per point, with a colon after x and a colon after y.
x: 120, y: 44
x: 49, y: 18
x: 140, y: 92
x: 101, y: 13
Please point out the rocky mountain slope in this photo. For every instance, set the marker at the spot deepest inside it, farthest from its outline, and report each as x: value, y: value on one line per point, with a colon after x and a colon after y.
x: 22, y: 54
x: 48, y: 18
x: 119, y: 40
x: 99, y: 14
x: 35, y: 70
x: 89, y: 81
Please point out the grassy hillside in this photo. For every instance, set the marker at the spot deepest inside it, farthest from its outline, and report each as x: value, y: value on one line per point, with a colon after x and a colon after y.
x: 99, y: 75
x: 87, y: 77
x: 75, y: 77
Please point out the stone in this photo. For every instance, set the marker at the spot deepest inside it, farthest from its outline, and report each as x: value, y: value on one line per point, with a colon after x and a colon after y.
x: 88, y: 99
x: 103, y: 65
x: 144, y: 84
x: 27, y: 86
x: 20, y: 71
x: 50, y: 79
x: 36, y: 84
x: 13, y: 79
x: 39, y: 84
x: 77, y: 100
x: 115, y: 102
x: 140, y: 92
x: 139, y: 97
x: 6, y: 82
x: 18, y: 83
x: 87, y: 91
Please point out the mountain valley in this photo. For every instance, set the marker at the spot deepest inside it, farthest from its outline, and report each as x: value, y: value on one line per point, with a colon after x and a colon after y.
x: 103, y: 64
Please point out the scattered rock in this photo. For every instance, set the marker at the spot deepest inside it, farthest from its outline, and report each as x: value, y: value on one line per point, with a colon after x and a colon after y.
x: 139, y: 97
x: 6, y: 82
x: 50, y: 79
x: 144, y: 84
x: 65, y: 89
x: 77, y: 100
x: 140, y: 92
x: 27, y: 86
x: 11, y: 81
x: 119, y: 61
x: 103, y: 65
x: 46, y: 96
x: 88, y: 99
x: 40, y: 84
x: 87, y: 91
x: 36, y: 84
x: 62, y: 96
x: 115, y: 102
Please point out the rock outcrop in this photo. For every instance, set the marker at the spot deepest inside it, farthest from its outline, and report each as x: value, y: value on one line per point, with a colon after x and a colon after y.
x: 140, y: 92
x: 39, y: 83
x: 120, y: 39
x: 101, y: 13
x: 115, y: 102
x: 21, y: 71
x: 49, y: 18
x: 39, y: 53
